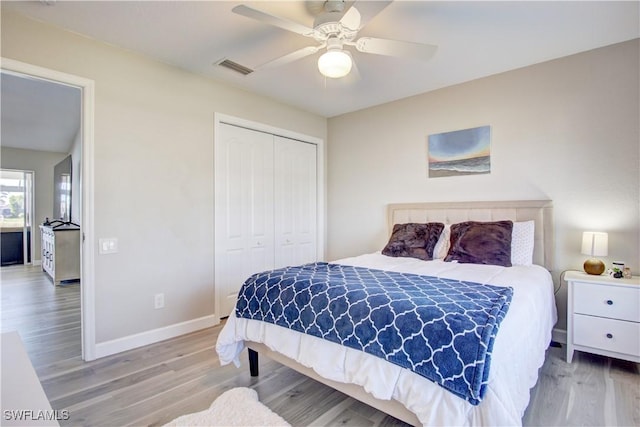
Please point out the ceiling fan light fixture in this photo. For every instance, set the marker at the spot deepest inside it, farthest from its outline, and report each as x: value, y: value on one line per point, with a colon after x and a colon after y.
x: 335, y: 63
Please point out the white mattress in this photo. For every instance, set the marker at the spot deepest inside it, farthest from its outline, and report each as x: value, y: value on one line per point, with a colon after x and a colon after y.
x: 518, y: 351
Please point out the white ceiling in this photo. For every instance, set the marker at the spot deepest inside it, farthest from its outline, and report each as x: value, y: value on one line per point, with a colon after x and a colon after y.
x: 38, y: 114
x: 475, y: 39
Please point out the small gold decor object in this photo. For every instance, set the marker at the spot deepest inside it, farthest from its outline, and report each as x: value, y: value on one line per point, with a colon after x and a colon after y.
x: 593, y: 266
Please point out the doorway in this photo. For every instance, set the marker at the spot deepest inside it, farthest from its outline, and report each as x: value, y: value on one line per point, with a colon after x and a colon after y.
x: 16, y: 217
x: 84, y: 187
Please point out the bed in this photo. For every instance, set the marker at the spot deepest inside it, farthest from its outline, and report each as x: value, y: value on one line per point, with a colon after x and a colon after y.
x: 516, y: 352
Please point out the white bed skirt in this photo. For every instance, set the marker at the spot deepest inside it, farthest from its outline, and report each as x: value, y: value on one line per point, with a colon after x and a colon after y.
x: 518, y: 352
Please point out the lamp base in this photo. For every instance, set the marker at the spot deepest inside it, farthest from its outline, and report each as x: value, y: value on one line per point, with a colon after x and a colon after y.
x: 594, y: 266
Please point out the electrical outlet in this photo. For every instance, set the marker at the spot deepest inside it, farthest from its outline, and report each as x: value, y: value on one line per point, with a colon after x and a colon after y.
x: 159, y: 301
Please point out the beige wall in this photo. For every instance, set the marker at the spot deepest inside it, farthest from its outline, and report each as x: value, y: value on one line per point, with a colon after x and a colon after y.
x: 41, y: 163
x: 565, y: 130
x: 153, y: 172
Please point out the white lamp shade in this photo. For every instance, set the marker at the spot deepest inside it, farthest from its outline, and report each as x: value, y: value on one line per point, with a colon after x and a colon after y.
x: 335, y: 63
x: 595, y: 243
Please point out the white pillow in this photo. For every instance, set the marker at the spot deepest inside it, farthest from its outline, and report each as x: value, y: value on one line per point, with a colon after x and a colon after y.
x: 442, y: 246
x: 522, y: 238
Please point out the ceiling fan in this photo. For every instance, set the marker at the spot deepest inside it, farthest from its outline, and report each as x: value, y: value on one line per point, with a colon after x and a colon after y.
x: 334, y: 29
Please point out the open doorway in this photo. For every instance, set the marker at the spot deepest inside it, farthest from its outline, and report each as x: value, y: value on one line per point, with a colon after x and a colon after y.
x: 16, y: 217
x: 45, y: 85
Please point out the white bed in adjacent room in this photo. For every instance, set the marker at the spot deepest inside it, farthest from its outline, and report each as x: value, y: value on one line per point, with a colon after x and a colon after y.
x: 518, y: 350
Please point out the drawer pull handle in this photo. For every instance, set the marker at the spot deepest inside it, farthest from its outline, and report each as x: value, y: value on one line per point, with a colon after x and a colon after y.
x: 609, y: 302
x: 609, y: 336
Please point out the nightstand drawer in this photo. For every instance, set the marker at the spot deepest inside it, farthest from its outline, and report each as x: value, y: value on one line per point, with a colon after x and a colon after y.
x: 607, y: 301
x: 607, y: 334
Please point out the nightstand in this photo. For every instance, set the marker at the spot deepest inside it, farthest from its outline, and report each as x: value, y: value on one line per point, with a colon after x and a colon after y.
x: 603, y: 316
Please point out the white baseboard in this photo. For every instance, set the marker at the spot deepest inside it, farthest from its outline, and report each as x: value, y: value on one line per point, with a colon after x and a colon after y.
x: 156, y: 335
x: 559, y: 335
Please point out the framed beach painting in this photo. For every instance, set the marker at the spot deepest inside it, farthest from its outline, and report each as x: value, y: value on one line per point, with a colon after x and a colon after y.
x: 460, y: 152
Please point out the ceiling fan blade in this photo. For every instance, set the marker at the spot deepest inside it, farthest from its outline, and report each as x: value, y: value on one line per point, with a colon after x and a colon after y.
x: 366, y: 10
x: 290, y: 57
x: 273, y: 20
x: 351, y: 19
x: 396, y: 48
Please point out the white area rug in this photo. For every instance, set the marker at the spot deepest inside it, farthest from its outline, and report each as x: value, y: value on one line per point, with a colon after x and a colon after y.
x: 236, y: 407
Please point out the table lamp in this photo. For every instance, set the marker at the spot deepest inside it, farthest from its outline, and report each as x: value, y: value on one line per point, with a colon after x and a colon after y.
x: 594, y: 244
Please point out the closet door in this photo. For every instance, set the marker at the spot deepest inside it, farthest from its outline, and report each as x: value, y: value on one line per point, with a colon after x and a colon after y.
x: 295, y: 202
x: 244, y: 242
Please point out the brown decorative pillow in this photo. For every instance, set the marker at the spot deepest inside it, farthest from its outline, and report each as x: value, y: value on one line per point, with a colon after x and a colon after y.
x: 413, y: 240
x: 475, y: 242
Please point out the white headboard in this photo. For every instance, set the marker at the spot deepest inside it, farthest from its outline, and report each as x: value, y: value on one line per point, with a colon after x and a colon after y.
x: 540, y: 211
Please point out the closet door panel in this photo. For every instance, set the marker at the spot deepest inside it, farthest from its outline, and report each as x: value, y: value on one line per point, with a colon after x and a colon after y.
x: 233, y: 192
x: 295, y: 202
x: 244, y: 209
x: 259, y: 192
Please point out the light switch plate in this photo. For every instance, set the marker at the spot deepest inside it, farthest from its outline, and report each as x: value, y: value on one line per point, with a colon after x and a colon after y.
x: 108, y: 245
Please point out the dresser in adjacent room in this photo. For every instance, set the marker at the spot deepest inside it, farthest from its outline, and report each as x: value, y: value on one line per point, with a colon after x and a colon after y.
x: 61, y: 252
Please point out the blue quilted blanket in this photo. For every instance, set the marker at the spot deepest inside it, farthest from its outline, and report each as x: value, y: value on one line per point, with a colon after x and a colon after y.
x: 439, y: 328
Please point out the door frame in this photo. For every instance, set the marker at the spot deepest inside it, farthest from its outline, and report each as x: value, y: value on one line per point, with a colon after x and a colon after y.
x: 29, y: 193
x: 27, y: 249
x: 87, y: 202
x: 219, y: 118
x: 27, y: 254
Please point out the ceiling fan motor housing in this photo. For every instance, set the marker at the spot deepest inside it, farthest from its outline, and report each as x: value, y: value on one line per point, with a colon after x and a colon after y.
x: 332, y: 28
x: 334, y: 6
x: 327, y: 24
x: 334, y: 43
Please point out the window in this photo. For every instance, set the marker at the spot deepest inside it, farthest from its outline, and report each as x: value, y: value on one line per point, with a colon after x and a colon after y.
x: 14, y: 198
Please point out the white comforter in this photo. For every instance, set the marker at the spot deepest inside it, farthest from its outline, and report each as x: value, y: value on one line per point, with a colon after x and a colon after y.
x: 518, y: 351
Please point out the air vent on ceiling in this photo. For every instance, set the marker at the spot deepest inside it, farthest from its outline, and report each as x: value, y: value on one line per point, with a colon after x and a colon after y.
x: 235, y: 67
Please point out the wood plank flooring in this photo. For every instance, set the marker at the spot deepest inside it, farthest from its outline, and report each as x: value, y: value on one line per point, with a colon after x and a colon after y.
x: 157, y: 383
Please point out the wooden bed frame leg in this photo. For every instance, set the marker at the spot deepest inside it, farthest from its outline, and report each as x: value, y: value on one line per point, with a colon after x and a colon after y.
x: 253, y: 362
